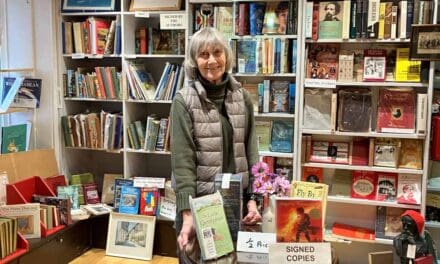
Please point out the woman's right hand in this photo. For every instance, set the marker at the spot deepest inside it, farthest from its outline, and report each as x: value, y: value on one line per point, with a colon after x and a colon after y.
x: 187, y: 232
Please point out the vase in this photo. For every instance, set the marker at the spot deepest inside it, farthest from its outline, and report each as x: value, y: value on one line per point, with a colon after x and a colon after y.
x: 268, y: 221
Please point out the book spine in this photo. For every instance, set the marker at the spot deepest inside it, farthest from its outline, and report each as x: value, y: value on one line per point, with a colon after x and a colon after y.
x: 353, y: 17
x: 334, y: 112
x: 403, y: 7
x: 373, y: 19
x: 409, y: 17
x: 422, y: 109
x: 346, y: 19
x: 315, y: 21
x: 394, y: 12
x: 266, y: 96
x: 364, y: 32
x: 381, y: 21
x: 359, y: 18
x: 308, y: 20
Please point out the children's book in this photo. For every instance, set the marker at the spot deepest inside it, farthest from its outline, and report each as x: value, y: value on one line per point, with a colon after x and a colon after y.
x: 15, y: 138
x: 386, y: 186
x: 118, y: 186
x: 129, y: 202
x: 28, y: 218
x: 211, y: 226
x: 149, y: 201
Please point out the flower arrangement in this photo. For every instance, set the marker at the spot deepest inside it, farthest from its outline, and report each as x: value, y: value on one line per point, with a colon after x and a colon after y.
x: 269, y: 183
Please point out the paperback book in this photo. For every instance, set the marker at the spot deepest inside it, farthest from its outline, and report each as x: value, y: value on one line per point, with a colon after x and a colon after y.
x: 129, y: 202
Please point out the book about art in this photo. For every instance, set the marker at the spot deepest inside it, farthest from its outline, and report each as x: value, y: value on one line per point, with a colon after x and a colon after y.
x: 149, y: 201
x: 388, y: 222
x: 211, y: 226
x: 375, y: 65
x: 386, y: 186
x: 28, y: 218
x: 118, y: 186
x: 409, y: 189
x: 298, y: 220
x: 364, y: 184
x: 28, y: 95
x: 69, y: 192
x: 396, y: 111
x: 330, y: 152
x: 322, y: 61
x: 129, y: 201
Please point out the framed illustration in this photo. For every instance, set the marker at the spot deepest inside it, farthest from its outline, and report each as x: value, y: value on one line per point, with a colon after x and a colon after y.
x: 154, y: 5
x: 102, y: 5
x: 98, y: 209
x: 425, y: 42
x: 130, y: 236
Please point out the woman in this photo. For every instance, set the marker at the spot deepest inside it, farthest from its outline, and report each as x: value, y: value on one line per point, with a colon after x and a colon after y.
x: 212, y: 128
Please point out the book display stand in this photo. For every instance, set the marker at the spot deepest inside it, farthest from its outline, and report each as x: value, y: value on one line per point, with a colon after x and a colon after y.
x: 22, y: 191
x: 22, y: 248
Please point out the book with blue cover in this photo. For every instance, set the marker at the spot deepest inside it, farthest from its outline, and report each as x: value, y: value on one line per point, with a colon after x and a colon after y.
x: 119, y: 182
x: 246, y: 59
x: 256, y: 17
x: 9, y: 88
x: 282, y: 136
x: 28, y: 95
x: 129, y: 202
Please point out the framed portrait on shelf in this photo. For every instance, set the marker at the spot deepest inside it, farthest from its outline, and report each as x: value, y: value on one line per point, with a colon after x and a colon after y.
x: 154, y: 5
x: 425, y: 42
x: 130, y: 236
x: 99, y: 5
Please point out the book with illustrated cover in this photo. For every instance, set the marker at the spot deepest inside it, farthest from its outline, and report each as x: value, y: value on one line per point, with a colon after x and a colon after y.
x: 386, y: 186
x: 330, y: 19
x: 311, y: 174
x: 69, y: 192
x: 354, y: 233
x: 330, y: 152
x: 60, y: 207
x: 298, y: 220
x: 364, y: 184
x: 322, y: 61
x: 275, y: 17
x: 108, y: 187
x: 341, y: 183
x: 411, y: 154
x: 8, y: 89
x: 246, y: 51
x: 129, y: 201
x: 317, y: 109
x: 203, y: 16
x: 211, y: 226
x: 28, y: 94
x: 230, y: 187
x: 375, y: 65
x: 91, y: 195
x: 406, y: 70
x: 355, y: 107
x: 388, y: 222
x: 256, y: 17
x: 118, y: 186
x: 28, y: 218
x: 149, y: 201
x: 224, y: 20
x: 15, y: 138
x: 409, y: 190
x: 279, y: 102
x: 282, y: 136
x: 386, y: 152
x: 396, y: 111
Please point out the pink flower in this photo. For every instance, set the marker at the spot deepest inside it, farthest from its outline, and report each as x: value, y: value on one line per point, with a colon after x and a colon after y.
x: 257, y: 186
x: 269, y: 183
x: 259, y: 168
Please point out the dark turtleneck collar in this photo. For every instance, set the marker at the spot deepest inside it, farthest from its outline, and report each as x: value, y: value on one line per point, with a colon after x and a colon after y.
x: 214, y: 90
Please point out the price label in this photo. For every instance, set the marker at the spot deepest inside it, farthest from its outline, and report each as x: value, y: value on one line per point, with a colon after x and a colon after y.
x: 255, y: 242
x: 142, y: 14
x: 149, y: 182
x: 320, y: 83
x: 173, y: 21
x: 78, y: 56
x: 411, y: 252
x: 226, y: 180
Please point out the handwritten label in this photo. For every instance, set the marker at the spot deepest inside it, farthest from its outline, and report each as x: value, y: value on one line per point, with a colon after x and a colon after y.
x: 141, y: 14
x: 320, y: 83
x: 226, y: 180
x: 149, y: 182
x: 249, y: 257
x: 300, y: 253
x: 78, y: 56
x: 173, y: 21
x: 255, y: 242
x: 167, y: 208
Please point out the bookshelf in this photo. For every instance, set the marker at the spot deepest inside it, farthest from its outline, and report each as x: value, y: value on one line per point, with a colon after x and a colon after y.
x: 344, y: 209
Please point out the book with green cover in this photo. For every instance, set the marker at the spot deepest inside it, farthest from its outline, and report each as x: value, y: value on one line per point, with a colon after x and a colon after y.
x: 211, y: 225
x: 15, y: 138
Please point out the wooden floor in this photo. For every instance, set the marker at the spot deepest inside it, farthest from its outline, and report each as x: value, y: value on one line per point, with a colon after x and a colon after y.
x: 97, y: 256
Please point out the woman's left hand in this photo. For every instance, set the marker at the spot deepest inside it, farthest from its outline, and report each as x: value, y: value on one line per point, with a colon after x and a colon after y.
x: 253, y: 215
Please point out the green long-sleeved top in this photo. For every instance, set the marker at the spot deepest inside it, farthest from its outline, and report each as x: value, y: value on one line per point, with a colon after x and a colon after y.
x: 183, y: 149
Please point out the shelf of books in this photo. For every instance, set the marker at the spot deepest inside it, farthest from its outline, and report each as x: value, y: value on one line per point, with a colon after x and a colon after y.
x: 363, y: 119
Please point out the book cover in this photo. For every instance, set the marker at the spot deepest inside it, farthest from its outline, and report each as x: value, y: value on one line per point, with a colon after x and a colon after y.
x: 61, y: 206
x: 246, y: 50
x: 149, y: 201
x: 406, y: 70
x: 317, y: 109
x: 330, y: 19
x: 386, y: 186
x: 322, y: 62
x: 388, y: 222
x: 9, y: 88
x: 231, y: 190
x: 279, y: 102
x: 298, y: 220
x: 211, y: 226
x: 346, y: 66
x: 364, y: 184
x: 118, y: 186
x: 82, y: 178
x: 28, y: 95
x: 129, y: 201
x: 411, y: 154
x: 224, y: 20
x: 256, y: 17
x: 396, y: 111
x: 282, y: 136
x: 409, y: 189
x: 108, y: 188
x: 330, y: 152
x: 311, y: 174
x: 375, y: 65
x: 354, y: 233
x: 360, y: 152
x: 242, y: 19
x: 275, y: 18
x: 91, y: 195
x: 386, y: 152
x: 355, y: 108
x: 341, y: 183
x: 28, y: 218
x: 15, y: 138
x: 69, y: 192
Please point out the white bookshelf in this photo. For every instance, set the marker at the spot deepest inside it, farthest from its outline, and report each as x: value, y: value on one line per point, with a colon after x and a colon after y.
x: 348, y: 200
x: 363, y: 168
x: 363, y: 134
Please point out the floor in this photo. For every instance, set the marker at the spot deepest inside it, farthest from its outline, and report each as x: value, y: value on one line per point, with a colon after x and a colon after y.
x: 97, y: 256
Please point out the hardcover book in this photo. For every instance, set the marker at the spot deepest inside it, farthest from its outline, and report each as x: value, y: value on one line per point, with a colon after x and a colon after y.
x: 275, y: 18
x: 386, y: 186
x: 211, y: 226
x: 364, y: 184
x: 411, y: 154
x: 282, y: 136
x: 322, y: 61
x: 108, y: 187
x: 354, y: 233
x: 317, y: 109
x: 231, y: 190
x: 15, y: 138
x: 118, y: 186
x: 355, y: 107
x: 129, y: 201
x: 224, y: 20
x: 246, y: 51
x: 396, y: 111
x: 388, y: 222
x: 279, y: 96
x: 375, y: 65
x: 409, y: 189
x: 329, y: 152
x: 256, y: 17
x: 386, y: 152
x: 330, y: 19
x: 149, y: 201
x: 341, y: 183
x: 28, y: 218
x: 61, y: 208
x: 91, y: 195
x: 28, y: 94
x: 311, y: 174
x: 69, y: 192
x: 298, y: 220
x: 406, y: 70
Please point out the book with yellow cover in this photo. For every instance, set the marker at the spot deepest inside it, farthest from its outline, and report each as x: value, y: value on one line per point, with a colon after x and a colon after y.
x: 406, y: 70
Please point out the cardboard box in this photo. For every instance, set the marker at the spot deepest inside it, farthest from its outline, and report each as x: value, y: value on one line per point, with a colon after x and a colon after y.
x: 21, y: 165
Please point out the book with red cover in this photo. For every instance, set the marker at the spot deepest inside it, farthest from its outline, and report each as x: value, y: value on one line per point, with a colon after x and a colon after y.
x: 359, y: 152
x: 424, y: 260
x: 386, y: 186
x: 354, y: 233
x: 91, y: 195
x: 311, y: 174
x: 364, y: 184
x: 396, y: 111
x: 322, y: 62
x: 435, y: 145
x: 299, y: 220
x: 55, y: 181
x: 375, y: 65
x: 149, y: 201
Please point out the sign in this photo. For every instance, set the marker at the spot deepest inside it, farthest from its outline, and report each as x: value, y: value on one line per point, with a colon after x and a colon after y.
x: 255, y: 242
x: 249, y: 257
x: 173, y: 21
x: 300, y: 253
x: 149, y: 182
x: 320, y: 83
x: 142, y: 14
x: 167, y: 208
x: 78, y: 56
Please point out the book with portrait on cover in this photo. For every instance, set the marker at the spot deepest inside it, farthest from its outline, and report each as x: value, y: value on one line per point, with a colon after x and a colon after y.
x: 211, y: 225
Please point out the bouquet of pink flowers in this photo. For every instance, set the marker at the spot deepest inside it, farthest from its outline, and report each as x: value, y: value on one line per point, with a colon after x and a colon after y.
x: 269, y: 183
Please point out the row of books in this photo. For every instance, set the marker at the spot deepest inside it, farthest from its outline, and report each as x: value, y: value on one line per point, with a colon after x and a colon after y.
x: 336, y: 62
x: 214, y: 15
x: 92, y: 36
x: 267, y: 56
x: 276, y: 135
x: 102, y: 83
x: 399, y: 110
x: 373, y: 19
x: 383, y: 152
x: 272, y: 96
x: 149, y: 40
x: 141, y: 85
x: 152, y: 135
x: 8, y: 239
x: 93, y: 130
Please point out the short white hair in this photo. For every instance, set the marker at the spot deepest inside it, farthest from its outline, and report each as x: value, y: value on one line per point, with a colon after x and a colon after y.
x: 208, y: 36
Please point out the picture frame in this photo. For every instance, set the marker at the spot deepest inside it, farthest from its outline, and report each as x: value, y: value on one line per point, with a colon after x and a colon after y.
x: 130, y: 236
x: 154, y: 5
x: 425, y: 42
x: 98, y: 209
x: 100, y: 5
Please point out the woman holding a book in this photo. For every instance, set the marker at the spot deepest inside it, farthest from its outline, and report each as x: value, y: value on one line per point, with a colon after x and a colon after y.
x: 212, y: 129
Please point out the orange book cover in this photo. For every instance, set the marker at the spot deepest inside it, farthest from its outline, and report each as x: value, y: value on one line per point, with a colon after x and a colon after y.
x: 311, y: 174
x: 299, y: 220
x: 352, y: 232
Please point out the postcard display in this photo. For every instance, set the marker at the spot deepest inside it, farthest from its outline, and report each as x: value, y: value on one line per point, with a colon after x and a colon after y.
x: 362, y: 123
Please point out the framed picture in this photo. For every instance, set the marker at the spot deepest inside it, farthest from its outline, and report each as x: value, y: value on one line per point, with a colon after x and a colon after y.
x: 130, y: 236
x: 98, y: 209
x: 102, y: 5
x: 425, y: 42
x: 152, y: 5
